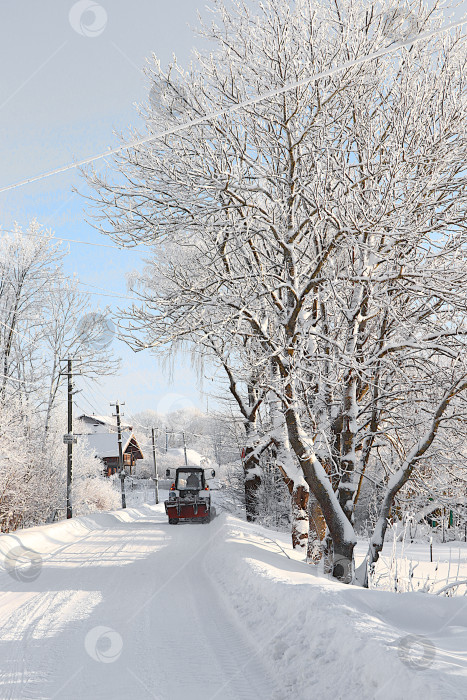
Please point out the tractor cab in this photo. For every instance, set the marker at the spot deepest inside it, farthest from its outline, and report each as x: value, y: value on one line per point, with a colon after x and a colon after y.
x: 190, y: 480
x: 189, y: 497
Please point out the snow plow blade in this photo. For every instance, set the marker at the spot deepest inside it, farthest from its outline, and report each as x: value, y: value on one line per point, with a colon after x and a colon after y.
x: 178, y: 511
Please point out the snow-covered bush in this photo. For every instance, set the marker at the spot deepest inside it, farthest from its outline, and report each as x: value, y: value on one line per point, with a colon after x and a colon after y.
x: 93, y: 494
x: 40, y: 309
x: 91, y: 490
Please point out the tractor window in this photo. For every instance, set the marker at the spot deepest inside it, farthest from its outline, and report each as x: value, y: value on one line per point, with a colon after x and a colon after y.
x: 189, y: 480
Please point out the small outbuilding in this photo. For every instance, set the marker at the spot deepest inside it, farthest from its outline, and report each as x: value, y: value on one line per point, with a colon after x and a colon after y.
x: 104, y: 446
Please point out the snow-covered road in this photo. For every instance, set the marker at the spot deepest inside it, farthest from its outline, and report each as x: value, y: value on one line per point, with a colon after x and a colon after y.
x: 126, y: 611
x: 123, y: 606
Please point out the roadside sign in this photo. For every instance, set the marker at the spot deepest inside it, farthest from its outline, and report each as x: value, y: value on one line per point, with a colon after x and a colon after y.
x: 70, y: 439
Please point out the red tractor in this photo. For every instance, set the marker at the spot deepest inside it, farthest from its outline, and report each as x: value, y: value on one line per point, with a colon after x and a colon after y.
x: 189, y: 496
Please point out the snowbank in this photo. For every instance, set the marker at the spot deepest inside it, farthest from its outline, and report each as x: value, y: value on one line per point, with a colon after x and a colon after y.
x: 328, y: 640
x: 49, y: 539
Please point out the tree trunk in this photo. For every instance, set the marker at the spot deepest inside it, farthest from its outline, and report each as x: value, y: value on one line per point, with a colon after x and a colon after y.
x: 299, y: 498
x: 375, y: 546
x: 317, y: 530
x: 251, y: 471
x: 300, y: 495
x: 341, y: 530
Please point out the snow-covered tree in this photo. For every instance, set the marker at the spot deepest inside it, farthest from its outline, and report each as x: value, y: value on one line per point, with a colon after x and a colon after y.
x: 41, y: 314
x: 325, y: 222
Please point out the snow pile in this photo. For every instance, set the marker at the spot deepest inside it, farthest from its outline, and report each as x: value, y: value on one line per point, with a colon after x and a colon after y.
x: 329, y: 640
x: 49, y: 539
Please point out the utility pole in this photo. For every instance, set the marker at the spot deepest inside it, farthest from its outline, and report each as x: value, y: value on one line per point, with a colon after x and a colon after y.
x: 184, y: 449
x: 166, y: 440
x: 69, y: 462
x: 156, y: 478
x: 121, y: 470
x: 69, y: 439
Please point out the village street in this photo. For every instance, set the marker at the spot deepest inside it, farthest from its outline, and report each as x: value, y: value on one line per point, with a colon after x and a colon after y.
x: 123, y: 605
x: 126, y: 611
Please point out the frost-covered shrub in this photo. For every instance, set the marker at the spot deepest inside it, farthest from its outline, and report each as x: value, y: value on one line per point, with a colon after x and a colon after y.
x: 93, y: 494
x: 27, y: 476
x: 91, y: 490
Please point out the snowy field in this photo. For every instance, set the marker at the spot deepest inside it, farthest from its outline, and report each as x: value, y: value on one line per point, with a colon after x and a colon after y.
x: 406, y: 567
x: 122, y: 605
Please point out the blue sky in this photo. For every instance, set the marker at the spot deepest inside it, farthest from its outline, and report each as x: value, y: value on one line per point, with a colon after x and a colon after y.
x: 68, y: 81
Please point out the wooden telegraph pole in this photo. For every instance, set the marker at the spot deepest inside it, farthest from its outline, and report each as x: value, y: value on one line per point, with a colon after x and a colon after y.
x: 69, y: 439
x: 121, y: 470
x: 69, y: 464
x: 184, y: 450
x: 156, y: 478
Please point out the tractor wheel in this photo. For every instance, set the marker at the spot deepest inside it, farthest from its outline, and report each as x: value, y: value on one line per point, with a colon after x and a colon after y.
x: 173, y: 521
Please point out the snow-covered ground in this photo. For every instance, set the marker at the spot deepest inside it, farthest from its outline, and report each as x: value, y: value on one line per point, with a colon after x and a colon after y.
x: 410, y: 566
x: 123, y: 605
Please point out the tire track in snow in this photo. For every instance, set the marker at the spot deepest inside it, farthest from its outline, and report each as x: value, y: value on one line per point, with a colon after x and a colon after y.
x: 204, y: 651
x: 180, y: 637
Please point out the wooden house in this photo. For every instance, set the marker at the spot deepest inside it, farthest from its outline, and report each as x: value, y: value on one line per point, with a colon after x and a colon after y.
x: 104, y: 446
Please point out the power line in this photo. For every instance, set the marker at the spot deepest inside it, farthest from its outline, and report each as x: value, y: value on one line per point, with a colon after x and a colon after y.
x: 110, y: 293
x: 128, y: 415
x: 74, y: 240
x: 79, y: 407
x: 84, y: 397
x: 13, y: 330
x: 106, y: 399
x: 93, y: 395
x: 99, y: 245
x: 246, y: 103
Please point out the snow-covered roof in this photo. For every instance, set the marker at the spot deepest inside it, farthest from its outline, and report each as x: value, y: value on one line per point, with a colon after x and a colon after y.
x: 106, y: 444
x: 107, y: 421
